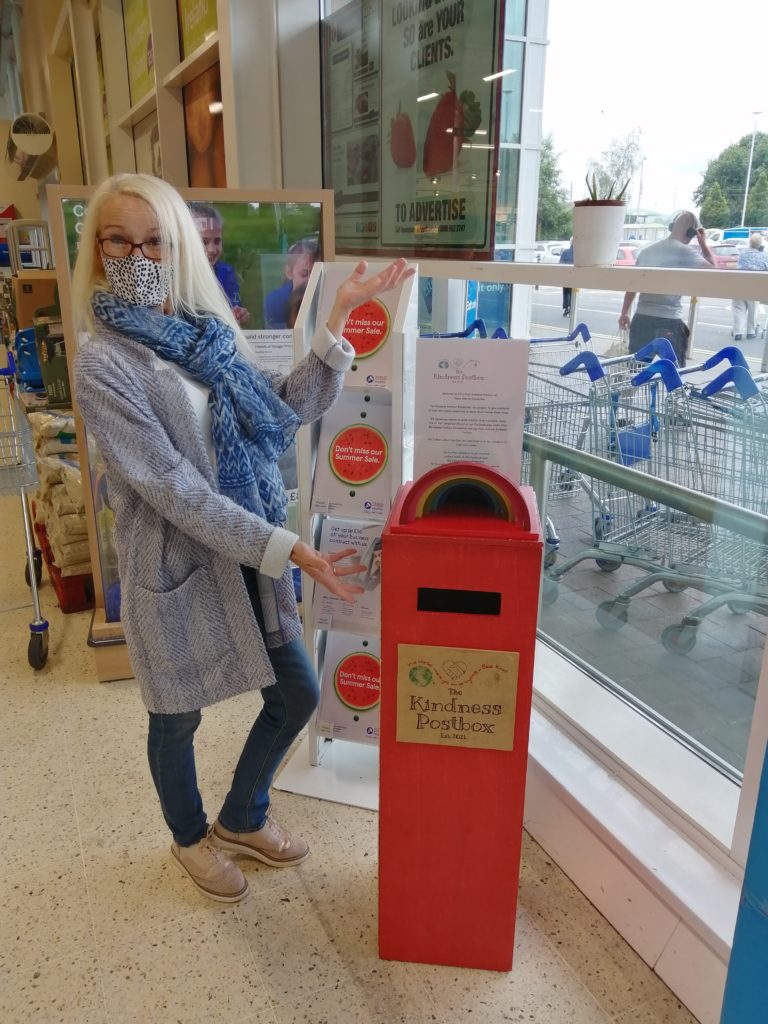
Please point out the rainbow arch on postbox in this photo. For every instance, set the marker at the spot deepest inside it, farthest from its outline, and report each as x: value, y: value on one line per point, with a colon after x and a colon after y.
x: 445, y: 488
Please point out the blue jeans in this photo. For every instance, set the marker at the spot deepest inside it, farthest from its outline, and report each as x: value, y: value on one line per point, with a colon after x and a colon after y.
x: 288, y: 706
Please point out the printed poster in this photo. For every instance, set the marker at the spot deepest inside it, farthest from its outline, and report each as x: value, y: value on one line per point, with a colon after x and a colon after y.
x: 204, y: 125
x: 138, y: 45
x: 352, y: 118
x: 438, y: 169
x: 411, y: 95
x: 364, y: 616
x: 197, y: 22
x: 353, y: 474
x: 369, y: 328
x: 471, y: 403
x: 146, y: 146
x: 350, y: 690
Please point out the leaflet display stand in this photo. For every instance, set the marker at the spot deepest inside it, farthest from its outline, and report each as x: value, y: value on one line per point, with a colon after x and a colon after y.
x: 351, y: 466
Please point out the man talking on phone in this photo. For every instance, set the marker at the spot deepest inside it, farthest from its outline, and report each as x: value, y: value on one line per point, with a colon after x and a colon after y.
x: 661, y: 316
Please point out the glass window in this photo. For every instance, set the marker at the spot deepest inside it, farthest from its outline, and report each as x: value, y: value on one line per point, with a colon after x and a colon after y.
x: 512, y: 92
x: 659, y: 606
x: 506, y: 195
x: 514, y: 21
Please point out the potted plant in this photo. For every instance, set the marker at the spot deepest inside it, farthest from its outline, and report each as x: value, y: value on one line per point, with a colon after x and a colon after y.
x: 597, y: 224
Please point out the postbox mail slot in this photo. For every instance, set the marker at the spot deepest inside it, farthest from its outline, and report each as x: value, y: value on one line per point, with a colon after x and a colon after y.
x: 463, y: 602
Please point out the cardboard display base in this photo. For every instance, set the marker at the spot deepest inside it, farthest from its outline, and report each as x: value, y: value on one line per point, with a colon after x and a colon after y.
x: 348, y: 773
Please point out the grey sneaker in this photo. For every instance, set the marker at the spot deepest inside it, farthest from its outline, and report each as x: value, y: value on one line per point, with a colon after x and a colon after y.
x: 211, y: 870
x: 271, y: 844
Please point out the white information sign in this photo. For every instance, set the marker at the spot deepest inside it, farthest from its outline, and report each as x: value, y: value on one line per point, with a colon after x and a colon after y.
x: 471, y: 403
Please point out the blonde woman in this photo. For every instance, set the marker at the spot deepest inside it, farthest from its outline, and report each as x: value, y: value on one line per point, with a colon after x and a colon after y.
x: 191, y: 431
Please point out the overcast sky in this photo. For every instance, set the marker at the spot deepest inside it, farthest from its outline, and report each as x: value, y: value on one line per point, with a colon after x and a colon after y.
x: 688, y: 72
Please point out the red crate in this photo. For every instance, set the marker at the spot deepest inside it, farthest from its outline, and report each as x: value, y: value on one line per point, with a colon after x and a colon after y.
x: 74, y: 593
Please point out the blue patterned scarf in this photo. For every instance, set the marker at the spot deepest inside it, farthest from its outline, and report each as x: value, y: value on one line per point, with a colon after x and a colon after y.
x: 251, y: 426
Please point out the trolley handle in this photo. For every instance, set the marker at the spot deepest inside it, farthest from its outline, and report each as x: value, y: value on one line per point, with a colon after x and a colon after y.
x: 579, y: 331
x: 730, y: 353
x: 661, y: 347
x: 663, y: 368
x: 10, y: 370
x: 584, y: 361
x: 476, y: 325
x: 736, y: 375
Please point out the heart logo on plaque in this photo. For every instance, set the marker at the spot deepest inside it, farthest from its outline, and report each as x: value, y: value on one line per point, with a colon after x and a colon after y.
x: 454, y: 669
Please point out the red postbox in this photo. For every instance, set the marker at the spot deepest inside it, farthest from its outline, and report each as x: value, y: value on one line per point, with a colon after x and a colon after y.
x: 460, y: 584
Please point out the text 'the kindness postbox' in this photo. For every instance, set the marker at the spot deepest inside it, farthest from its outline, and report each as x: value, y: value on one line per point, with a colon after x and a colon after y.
x: 460, y: 586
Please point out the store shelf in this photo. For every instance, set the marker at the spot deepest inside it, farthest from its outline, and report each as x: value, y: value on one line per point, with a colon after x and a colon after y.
x: 204, y: 57
x: 139, y: 110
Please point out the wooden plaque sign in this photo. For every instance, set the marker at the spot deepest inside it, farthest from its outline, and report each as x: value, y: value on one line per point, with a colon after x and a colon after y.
x: 456, y: 697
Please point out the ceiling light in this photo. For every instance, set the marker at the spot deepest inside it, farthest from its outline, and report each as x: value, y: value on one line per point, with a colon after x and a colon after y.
x: 427, y: 96
x: 499, y: 74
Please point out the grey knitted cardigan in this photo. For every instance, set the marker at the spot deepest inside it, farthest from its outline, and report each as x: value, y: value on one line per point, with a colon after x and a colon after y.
x: 189, y: 625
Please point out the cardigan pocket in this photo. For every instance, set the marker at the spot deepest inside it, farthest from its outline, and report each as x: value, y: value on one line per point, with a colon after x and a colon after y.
x: 184, y: 630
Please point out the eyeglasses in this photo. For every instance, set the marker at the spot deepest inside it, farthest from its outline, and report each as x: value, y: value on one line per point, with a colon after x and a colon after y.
x: 119, y: 248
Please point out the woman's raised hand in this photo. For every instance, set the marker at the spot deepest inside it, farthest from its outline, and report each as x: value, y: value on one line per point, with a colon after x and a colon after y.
x: 358, y: 289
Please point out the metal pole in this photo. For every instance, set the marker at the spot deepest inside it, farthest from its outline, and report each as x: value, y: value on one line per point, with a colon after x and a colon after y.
x: 743, y: 521
x: 756, y: 114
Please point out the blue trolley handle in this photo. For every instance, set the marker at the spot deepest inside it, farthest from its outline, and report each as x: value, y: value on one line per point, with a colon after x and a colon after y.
x: 737, y: 375
x: 579, y: 331
x: 661, y: 347
x: 476, y: 325
x: 663, y: 368
x: 10, y: 371
x: 584, y: 361
x: 730, y: 353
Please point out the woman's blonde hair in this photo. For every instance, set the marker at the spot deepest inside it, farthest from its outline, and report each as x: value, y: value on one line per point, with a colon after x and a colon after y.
x: 194, y: 288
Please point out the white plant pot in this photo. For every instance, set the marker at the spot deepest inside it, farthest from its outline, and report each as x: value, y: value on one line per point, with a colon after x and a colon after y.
x: 597, y: 230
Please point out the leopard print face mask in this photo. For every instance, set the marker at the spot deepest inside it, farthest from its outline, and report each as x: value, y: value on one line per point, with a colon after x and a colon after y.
x: 138, y: 280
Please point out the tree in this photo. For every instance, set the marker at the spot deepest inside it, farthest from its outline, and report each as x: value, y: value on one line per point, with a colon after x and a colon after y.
x: 617, y: 164
x: 715, y: 211
x: 554, y: 219
x: 757, y: 204
x: 729, y: 170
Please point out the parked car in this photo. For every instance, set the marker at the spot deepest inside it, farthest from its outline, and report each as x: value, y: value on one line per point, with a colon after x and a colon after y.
x: 553, y: 250
x: 626, y: 256
x: 726, y: 256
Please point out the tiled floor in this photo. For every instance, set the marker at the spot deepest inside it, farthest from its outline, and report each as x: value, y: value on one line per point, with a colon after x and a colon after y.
x: 98, y: 928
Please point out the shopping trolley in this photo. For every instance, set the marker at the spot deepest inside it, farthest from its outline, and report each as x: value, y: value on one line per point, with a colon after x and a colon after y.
x: 626, y: 415
x: 558, y: 411
x: 707, y: 439
x: 713, y: 439
x: 566, y: 406
x: 17, y: 476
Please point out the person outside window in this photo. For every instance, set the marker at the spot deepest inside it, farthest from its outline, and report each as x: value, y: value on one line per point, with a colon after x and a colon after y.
x: 753, y: 257
x: 566, y: 256
x: 661, y: 316
x: 190, y: 430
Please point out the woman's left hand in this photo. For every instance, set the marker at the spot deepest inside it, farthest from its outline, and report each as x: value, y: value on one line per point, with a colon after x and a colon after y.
x: 323, y: 569
x: 357, y: 290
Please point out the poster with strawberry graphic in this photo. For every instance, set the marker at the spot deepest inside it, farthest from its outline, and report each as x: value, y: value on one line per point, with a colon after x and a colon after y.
x: 439, y: 78
x: 410, y: 108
